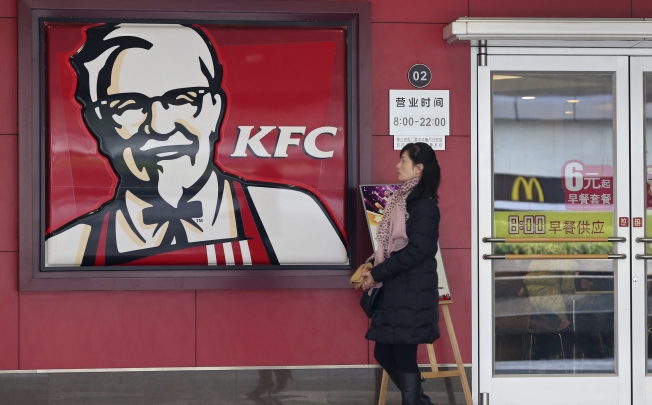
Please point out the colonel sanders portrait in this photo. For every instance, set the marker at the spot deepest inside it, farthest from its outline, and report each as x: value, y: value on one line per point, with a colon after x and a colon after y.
x: 152, y: 97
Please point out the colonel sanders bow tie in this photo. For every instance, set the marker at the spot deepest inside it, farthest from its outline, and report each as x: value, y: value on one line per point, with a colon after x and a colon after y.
x: 163, y: 212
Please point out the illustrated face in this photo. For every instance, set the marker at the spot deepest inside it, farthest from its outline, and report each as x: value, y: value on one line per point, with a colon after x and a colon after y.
x: 158, y: 116
x: 406, y: 168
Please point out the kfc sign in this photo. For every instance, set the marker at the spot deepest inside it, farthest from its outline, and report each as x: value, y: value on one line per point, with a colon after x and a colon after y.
x: 284, y: 140
x: 152, y: 158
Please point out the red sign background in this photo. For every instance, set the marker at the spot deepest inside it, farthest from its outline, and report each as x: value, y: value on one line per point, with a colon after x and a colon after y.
x: 272, y: 77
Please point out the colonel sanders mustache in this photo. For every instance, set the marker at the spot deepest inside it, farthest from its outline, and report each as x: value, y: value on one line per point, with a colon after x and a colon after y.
x: 143, y: 153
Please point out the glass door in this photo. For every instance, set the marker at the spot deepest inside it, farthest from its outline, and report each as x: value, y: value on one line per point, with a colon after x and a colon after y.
x: 641, y: 185
x: 554, y: 209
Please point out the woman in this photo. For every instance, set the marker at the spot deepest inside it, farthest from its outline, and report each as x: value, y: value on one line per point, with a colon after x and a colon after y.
x: 405, y: 267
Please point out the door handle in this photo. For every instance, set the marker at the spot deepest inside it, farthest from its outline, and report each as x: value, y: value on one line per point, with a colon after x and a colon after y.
x: 558, y: 240
x: 643, y: 240
x: 556, y: 257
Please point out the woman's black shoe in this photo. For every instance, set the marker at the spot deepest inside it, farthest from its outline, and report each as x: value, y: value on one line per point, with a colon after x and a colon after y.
x: 410, y: 388
x: 425, y: 400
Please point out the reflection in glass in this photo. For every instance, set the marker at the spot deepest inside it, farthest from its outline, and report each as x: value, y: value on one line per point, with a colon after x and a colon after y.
x: 648, y: 210
x: 553, y: 178
x: 554, y: 316
x: 266, y: 385
x: 553, y: 160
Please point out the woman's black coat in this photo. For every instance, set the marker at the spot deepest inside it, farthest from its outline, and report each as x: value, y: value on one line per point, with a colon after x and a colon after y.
x: 409, y: 312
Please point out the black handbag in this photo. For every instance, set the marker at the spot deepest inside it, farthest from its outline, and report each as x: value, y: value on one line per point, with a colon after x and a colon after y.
x: 371, y: 302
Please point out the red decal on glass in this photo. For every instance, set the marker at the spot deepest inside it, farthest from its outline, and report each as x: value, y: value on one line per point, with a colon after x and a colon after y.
x: 587, y: 187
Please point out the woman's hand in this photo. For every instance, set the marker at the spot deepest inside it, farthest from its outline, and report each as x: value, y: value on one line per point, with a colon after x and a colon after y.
x: 368, y: 281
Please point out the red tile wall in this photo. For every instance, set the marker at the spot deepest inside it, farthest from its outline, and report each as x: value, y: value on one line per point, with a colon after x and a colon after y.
x: 278, y: 327
x: 7, y: 8
x: 9, y: 198
x: 265, y: 328
x: 9, y: 316
x: 418, y: 11
x: 8, y: 75
x: 8, y: 311
x: 551, y: 8
x: 107, y: 329
x: 641, y: 9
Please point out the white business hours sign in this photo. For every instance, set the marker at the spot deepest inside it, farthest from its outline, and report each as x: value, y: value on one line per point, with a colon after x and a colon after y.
x: 419, y: 114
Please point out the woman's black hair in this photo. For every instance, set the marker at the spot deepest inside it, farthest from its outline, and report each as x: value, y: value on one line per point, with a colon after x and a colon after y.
x: 422, y: 153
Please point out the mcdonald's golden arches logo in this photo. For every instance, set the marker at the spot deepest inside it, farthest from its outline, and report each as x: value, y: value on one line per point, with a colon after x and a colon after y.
x: 528, y: 186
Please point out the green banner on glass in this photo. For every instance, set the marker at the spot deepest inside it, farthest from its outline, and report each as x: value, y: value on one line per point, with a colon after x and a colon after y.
x: 553, y: 224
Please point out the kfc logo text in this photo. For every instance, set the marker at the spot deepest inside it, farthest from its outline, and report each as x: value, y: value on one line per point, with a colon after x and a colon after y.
x: 285, y: 139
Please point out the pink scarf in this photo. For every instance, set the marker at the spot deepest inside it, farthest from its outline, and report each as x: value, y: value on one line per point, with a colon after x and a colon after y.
x: 391, y: 235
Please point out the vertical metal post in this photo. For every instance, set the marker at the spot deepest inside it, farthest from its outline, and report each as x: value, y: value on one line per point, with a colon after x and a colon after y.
x: 484, y: 398
x: 574, y: 330
x: 482, y: 52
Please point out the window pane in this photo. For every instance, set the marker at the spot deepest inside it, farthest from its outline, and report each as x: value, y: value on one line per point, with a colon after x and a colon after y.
x: 554, y: 316
x: 553, y: 155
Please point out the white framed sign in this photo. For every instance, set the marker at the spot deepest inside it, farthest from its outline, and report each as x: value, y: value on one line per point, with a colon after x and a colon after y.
x: 419, y: 112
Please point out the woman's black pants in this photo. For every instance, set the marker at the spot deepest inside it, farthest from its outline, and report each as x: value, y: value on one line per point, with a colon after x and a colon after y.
x: 397, y: 359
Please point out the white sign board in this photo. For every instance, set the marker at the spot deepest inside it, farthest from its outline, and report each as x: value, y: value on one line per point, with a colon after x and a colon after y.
x: 435, y: 142
x: 419, y: 112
